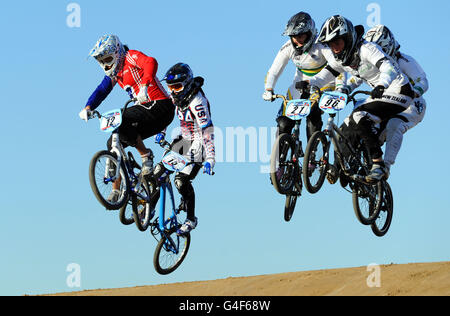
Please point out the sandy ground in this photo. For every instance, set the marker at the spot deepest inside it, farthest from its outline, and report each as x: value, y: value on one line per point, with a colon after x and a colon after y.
x: 422, y: 279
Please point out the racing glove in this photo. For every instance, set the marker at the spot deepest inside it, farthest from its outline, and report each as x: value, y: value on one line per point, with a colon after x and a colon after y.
x: 208, y: 168
x: 159, y: 138
x: 142, y: 96
x: 377, y: 93
x: 344, y: 90
x: 85, y: 114
x: 268, y: 95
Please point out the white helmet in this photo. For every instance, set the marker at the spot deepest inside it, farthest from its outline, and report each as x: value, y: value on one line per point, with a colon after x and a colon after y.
x: 382, y: 36
x: 110, y: 54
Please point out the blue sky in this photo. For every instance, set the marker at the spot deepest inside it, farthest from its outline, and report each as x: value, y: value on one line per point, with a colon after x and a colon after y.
x: 50, y: 217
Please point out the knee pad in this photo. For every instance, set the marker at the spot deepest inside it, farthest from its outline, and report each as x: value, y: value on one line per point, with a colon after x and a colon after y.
x: 314, y: 122
x: 184, y: 186
x: 158, y: 170
x: 396, y: 125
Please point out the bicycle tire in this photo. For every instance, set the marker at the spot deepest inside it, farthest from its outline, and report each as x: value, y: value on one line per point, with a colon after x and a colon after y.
x: 281, y: 152
x: 310, y: 154
x: 126, y: 213
x: 142, y: 216
x: 161, y: 250
x: 371, y: 193
x: 383, y: 222
x: 96, y: 177
x: 291, y: 201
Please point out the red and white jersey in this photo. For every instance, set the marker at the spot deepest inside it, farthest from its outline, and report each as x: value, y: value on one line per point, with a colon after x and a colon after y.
x: 140, y: 69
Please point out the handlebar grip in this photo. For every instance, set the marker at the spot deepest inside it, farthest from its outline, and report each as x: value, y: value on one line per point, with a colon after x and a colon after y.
x: 95, y: 114
x: 164, y: 144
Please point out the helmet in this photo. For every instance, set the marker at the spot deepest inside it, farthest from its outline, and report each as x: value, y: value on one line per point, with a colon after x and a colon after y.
x: 110, y: 54
x: 179, y: 79
x: 301, y: 23
x: 382, y: 36
x: 339, y: 27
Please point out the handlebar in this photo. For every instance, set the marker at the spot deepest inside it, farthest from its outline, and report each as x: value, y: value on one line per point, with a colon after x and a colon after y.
x: 351, y: 98
x: 97, y: 114
x: 279, y: 96
x: 168, y: 146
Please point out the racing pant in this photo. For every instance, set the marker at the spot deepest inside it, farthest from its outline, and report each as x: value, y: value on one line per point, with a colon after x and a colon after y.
x: 144, y: 120
x: 183, y: 179
x: 392, y: 132
x: 376, y: 111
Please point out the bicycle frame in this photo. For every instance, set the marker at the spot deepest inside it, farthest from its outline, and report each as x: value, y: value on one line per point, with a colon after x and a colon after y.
x: 332, y: 130
x: 119, y: 151
x: 295, y: 132
x: 166, y: 186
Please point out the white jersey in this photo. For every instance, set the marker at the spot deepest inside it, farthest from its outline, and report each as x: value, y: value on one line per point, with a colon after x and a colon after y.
x: 375, y: 68
x: 411, y: 68
x: 416, y: 111
x: 197, y: 127
x: 307, y: 64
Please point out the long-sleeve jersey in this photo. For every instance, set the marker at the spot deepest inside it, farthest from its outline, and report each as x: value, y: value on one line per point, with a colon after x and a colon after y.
x: 307, y: 64
x: 197, y: 126
x: 138, y: 70
x: 375, y: 68
x: 411, y: 68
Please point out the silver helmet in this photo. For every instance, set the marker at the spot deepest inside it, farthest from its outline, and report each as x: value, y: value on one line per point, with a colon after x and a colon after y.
x: 382, y: 36
x: 110, y: 54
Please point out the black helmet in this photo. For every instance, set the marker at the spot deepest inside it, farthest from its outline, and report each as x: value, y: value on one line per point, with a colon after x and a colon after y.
x: 182, y: 84
x: 178, y: 77
x: 339, y: 27
x: 301, y: 23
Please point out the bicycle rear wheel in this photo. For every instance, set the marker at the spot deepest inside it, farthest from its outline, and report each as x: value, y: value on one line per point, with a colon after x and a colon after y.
x: 171, y: 251
x: 282, y: 166
x: 102, y: 168
x: 142, y: 208
x: 382, y: 224
x: 126, y: 213
x: 315, y: 162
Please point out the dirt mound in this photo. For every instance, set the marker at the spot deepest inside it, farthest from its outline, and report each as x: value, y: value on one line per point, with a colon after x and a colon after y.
x: 391, y: 280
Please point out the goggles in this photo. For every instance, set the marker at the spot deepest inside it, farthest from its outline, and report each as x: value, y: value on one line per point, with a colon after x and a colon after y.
x: 176, y: 87
x: 106, y: 60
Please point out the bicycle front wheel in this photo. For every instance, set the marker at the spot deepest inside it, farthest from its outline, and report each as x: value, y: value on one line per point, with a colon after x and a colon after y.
x: 367, y: 202
x: 382, y: 224
x: 291, y: 201
x: 102, y: 169
x: 171, y: 251
x: 315, y: 162
x: 282, y: 166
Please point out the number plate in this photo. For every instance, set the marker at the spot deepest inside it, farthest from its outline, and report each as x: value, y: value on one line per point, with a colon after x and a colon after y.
x: 332, y: 102
x: 111, y: 120
x: 298, y: 109
x: 174, y: 162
